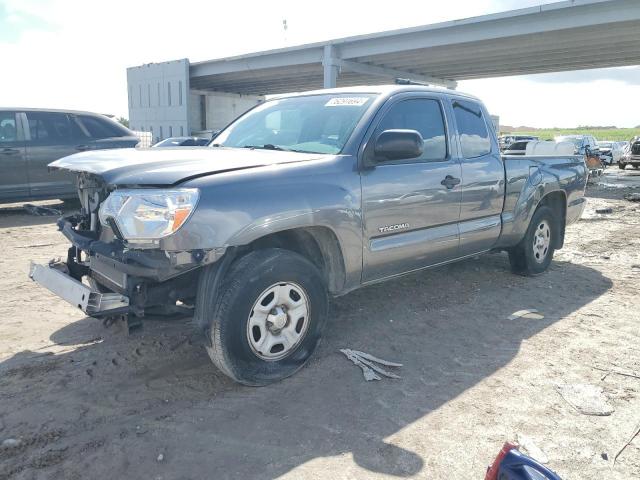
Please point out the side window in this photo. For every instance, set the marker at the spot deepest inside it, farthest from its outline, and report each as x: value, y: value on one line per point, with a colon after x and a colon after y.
x: 49, y: 127
x: 8, y: 130
x: 422, y: 115
x: 472, y: 128
x: 78, y: 132
x: 98, y: 128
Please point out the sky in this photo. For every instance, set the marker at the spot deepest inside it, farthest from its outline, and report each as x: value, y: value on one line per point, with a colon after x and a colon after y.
x: 74, y: 53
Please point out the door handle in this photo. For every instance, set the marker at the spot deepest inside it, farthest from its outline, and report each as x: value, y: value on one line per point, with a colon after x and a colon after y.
x: 10, y: 151
x: 82, y: 148
x: 450, y: 182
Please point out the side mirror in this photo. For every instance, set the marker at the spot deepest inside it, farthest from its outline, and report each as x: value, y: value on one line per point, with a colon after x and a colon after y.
x: 398, y: 144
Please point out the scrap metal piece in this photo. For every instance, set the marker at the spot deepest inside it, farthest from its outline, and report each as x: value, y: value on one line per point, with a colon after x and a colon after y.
x: 379, y: 369
x: 369, y: 369
x: 366, y: 371
x: 41, y: 211
x: 376, y: 359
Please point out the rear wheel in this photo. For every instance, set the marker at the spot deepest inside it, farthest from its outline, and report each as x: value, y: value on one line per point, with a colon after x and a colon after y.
x: 535, y: 252
x: 267, y: 319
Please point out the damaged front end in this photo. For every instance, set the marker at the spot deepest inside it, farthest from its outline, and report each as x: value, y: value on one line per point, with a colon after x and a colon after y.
x: 115, y: 267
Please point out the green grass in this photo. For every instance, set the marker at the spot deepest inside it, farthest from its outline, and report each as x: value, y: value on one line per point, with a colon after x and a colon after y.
x: 615, y: 134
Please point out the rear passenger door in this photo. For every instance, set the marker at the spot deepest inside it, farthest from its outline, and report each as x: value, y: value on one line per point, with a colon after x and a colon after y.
x: 483, y: 178
x: 50, y: 138
x: 14, y: 181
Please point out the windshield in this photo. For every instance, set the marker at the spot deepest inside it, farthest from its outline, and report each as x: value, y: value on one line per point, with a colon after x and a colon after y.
x: 312, y: 124
x: 577, y: 141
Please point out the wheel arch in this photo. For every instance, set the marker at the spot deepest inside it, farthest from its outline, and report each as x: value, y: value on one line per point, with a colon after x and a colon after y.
x: 557, y: 202
x: 318, y: 244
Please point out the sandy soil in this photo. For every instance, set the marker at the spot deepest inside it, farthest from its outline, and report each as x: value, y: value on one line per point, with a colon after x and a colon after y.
x: 84, y: 401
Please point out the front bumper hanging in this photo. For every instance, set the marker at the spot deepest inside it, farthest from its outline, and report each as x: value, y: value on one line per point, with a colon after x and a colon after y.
x: 79, y: 295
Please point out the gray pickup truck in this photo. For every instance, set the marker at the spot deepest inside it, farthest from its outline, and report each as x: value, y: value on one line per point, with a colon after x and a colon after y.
x: 303, y: 197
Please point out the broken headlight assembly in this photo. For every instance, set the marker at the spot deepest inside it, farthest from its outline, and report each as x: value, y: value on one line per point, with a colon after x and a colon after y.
x: 145, y: 215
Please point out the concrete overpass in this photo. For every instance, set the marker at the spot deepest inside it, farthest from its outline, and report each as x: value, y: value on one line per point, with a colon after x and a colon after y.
x: 570, y: 35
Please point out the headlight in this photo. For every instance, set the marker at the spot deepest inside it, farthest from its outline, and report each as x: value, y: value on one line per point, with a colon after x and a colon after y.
x: 148, y: 214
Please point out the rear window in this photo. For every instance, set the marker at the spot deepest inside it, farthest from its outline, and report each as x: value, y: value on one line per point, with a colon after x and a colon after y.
x: 100, y: 128
x: 519, y: 145
x: 472, y: 128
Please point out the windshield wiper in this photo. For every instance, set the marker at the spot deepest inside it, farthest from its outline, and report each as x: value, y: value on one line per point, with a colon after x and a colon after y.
x: 267, y: 146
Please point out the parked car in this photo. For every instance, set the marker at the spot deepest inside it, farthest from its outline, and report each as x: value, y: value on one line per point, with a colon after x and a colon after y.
x: 586, y: 145
x: 582, y: 143
x: 302, y: 197
x: 182, y: 142
x: 208, y: 134
x: 610, y: 152
x: 506, y: 140
x: 516, y: 148
x: 631, y: 155
x: 30, y: 139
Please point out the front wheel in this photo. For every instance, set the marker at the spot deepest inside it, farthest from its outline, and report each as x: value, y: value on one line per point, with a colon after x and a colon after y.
x: 268, y: 317
x: 622, y: 166
x: 535, y: 252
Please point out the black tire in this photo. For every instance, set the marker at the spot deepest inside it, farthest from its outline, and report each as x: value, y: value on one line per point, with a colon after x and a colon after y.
x: 524, y: 259
x: 621, y: 166
x: 226, y: 314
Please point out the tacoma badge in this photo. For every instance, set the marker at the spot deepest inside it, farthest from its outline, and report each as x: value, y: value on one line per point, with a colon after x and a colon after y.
x: 391, y: 228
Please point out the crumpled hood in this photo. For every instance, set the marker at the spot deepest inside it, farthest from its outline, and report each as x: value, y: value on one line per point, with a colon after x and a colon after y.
x: 169, y: 166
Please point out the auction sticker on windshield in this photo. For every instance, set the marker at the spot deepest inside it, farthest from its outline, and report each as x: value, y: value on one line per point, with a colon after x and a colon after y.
x: 346, y: 101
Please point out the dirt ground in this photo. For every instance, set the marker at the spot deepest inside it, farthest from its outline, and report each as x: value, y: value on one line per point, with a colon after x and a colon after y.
x: 84, y: 401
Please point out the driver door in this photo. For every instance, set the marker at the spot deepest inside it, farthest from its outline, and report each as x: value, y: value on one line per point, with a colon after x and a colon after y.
x: 411, y: 207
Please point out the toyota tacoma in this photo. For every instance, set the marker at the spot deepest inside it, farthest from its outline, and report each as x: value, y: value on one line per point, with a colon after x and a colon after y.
x: 303, y: 197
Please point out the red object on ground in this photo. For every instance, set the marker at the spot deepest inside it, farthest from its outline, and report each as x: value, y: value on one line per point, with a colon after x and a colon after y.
x: 492, y: 471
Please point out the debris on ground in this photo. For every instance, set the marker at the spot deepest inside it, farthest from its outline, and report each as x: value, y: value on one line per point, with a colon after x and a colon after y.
x: 532, y: 449
x: 604, y: 210
x: 531, y: 314
x: 632, y: 197
x: 587, y: 399
x: 11, y: 443
x: 512, y: 464
x: 618, y: 371
x: 41, y: 211
x: 635, y: 433
x: 368, y: 365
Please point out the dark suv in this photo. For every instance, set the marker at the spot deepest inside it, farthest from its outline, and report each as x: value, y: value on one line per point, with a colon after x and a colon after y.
x: 30, y: 139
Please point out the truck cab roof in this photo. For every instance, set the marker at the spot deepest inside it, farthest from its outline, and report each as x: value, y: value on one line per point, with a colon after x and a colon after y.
x: 386, y: 90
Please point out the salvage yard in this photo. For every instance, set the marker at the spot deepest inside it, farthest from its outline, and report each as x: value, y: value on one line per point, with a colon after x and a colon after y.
x: 78, y: 400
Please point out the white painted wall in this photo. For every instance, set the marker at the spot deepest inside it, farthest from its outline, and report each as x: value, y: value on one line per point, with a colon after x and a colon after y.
x: 158, y: 98
x: 161, y: 102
